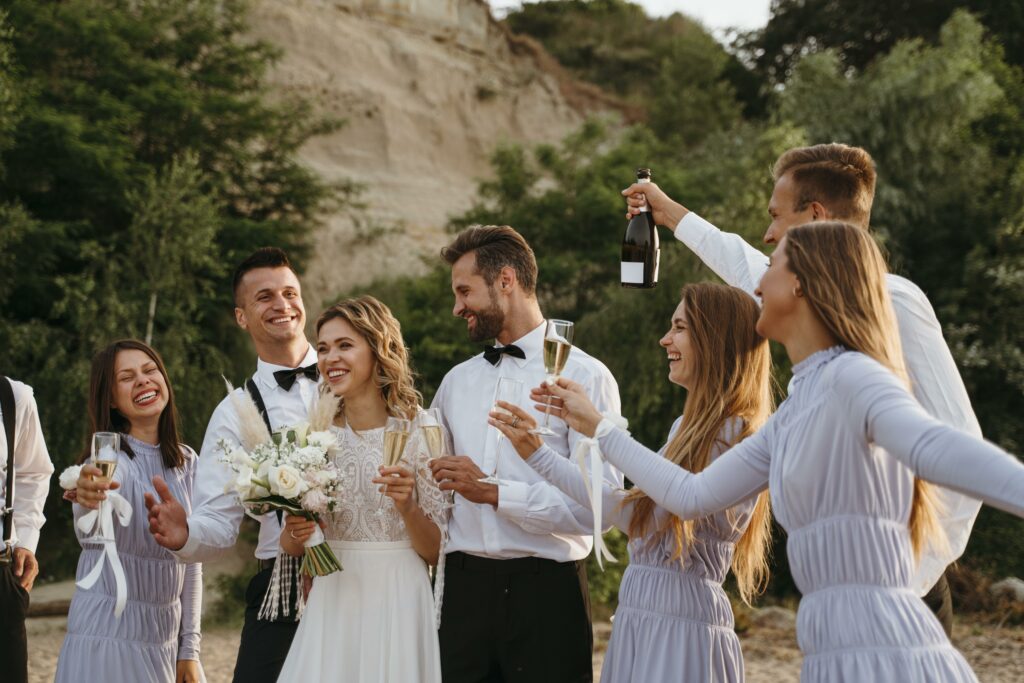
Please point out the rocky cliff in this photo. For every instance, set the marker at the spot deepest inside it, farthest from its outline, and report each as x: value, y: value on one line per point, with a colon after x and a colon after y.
x: 427, y: 88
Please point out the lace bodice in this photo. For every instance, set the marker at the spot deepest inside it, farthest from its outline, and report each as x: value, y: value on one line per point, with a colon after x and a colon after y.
x: 357, y: 516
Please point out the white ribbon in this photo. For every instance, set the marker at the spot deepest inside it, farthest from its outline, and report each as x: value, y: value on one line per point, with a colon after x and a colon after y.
x: 594, y: 479
x: 100, y: 522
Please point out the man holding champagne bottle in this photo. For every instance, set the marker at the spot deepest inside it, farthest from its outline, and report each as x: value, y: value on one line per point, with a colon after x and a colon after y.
x: 837, y: 182
x: 516, y: 606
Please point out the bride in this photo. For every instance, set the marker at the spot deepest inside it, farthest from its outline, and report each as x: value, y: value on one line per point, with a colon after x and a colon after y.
x: 374, y: 621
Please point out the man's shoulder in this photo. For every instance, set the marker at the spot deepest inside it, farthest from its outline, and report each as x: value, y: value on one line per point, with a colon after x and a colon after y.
x: 24, y: 396
x: 907, y: 298
x: 582, y: 366
x: 463, y: 369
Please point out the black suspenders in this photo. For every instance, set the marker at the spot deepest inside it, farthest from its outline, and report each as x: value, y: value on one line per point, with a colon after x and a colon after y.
x: 8, y: 408
x: 257, y: 398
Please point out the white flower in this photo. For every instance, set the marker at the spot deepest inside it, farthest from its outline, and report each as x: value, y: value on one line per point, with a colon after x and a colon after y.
x: 240, y: 458
x: 324, y: 477
x: 243, y: 483
x: 315, y: 501
x: 69, y: 477
x: 301, y: 430
x: 324, y: 440
x: 286, y: 481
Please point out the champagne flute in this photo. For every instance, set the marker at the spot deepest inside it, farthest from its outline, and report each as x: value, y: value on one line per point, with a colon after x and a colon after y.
x: 557, y: 345
x: 396, y: 435
x: 429, y: 421
x: 510, y: 391
x: 106, y: 447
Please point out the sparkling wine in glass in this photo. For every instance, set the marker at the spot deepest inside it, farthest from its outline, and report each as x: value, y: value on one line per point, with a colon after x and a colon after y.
x: 105, y: 449
x: 396, y: 435
x: 510, y: 391
x: 557, y: 345
x: 433, y: 432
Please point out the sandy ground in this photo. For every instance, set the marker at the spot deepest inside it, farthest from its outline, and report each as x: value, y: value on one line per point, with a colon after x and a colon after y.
x: 771, y: 654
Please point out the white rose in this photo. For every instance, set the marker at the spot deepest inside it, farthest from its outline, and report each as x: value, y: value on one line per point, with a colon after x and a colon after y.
x: 324, y: 440
x: 286, y: 481
x: 69, y: 477
x: 243, y: 483
x: 324, y: 477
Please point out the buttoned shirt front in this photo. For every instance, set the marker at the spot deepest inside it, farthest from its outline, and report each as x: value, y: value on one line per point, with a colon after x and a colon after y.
x: 533, y: 518
x: 216, y: 515
x: 32, y: 469
x: 934, y: 378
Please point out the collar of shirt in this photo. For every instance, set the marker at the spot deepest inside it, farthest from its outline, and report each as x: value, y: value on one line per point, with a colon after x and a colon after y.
x: 265, y: 371
x: 532, y: 343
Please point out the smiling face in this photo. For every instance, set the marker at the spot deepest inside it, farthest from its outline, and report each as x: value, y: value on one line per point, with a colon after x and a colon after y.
x: 139, y: 389
x: 682, y: 356
x: 269, y: 306
x: 778, y: 293
x: 346, y: 361
x: 475, y: 301
x: 782, y: 208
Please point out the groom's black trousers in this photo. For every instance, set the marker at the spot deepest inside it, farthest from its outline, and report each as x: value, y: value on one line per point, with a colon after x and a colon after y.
x: 13, y: 642
x: 264, y: 644
x: 524, y: 620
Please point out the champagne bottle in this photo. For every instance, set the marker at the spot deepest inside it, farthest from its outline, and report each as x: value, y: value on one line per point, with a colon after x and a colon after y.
x: 641, y: 252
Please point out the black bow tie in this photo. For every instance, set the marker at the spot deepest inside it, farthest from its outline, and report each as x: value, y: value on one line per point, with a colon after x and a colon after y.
x: 492, y: 354
x: 286, y: 378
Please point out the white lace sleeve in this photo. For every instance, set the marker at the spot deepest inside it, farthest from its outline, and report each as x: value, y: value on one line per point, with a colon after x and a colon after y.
x: 435, y: 504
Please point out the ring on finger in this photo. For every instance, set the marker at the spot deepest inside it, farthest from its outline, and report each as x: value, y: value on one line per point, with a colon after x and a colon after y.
x: 515, y: 422
x: 292, y: 534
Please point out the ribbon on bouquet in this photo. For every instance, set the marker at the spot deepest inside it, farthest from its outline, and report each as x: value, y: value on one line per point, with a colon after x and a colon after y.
x: 594, y: 479
x: 100, y: 522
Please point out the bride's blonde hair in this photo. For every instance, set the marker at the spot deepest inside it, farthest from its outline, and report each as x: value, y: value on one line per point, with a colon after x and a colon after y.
x: 393, y: 373
x: 842, y: 274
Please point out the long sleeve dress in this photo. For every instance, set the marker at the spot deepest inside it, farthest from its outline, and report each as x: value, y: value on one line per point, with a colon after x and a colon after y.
x: 674, y: 621
x: 839, y: 459
x: 374, y: 621
x: 160, y: 623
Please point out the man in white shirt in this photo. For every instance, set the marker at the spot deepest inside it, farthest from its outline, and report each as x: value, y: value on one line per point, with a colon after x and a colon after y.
x: 23, y: 491
x: 837, y: 182
x: 268, y: 305
x: 516, y: 606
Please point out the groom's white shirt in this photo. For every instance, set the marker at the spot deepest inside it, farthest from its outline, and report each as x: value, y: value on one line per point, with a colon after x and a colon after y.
x: 934, y: 378
x: 216, y: 514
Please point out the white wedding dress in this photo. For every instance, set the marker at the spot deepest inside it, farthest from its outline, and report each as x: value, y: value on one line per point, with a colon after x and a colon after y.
x: 374, y: 621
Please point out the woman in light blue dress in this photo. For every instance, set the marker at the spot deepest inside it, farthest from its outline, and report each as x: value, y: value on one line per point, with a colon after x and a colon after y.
x: 674, y: 621
x: 847, y: 458
x: 156, y: 638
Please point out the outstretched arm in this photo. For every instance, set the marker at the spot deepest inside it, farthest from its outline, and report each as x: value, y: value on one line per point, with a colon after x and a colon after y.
x: 730, y: 256
x: 933, y: 451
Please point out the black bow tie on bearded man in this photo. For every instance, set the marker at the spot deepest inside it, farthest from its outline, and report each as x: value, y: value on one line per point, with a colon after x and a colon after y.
x: 286, y: 378
x: 492, y: 354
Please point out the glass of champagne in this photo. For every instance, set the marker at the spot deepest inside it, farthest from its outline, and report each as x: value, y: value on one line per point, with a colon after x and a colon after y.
x: 557, y: 345
x: 433, y: 432
x: 396, y: 435
x: 510, y: 391
x: 106, y: 446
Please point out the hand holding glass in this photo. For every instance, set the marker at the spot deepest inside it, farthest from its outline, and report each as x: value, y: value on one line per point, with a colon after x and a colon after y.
x: 557, y: 345
x: 510, y: 391
x: 106, y: 446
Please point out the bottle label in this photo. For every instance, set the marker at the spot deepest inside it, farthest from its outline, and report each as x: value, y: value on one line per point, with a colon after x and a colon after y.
x: 632, y: 272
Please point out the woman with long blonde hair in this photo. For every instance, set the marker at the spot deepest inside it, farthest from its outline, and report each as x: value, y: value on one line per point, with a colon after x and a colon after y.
x: 840, y: 458
x: 674, y: 621
x: 375, y: 619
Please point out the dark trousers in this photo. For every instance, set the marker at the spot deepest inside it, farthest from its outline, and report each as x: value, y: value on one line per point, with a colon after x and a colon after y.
x: 525, y: 620
x: 13, y: 641
x: 940, y: 601
x: 264, y: 644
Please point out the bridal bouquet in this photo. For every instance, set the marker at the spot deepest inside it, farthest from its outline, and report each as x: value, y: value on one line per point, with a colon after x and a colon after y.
x: 292, y: 472
x: 289, y: 470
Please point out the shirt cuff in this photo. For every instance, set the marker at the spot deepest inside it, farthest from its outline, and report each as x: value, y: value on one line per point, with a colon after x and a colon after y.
x: 512, y: 499
x: 186, y: 552
x: 27, y: 539
x: 188, y: 647
x: 692, y: 228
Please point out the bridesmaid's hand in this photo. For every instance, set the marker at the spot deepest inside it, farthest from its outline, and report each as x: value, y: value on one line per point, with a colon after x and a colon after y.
x: 398, y: 484
x: 295, y: 532
x: 516, y: 428
x: 569, y: 402
x: 187, y: 671
x: 90, y: 492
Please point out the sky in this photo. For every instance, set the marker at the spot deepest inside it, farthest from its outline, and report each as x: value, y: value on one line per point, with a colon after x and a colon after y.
x: 717, y: 15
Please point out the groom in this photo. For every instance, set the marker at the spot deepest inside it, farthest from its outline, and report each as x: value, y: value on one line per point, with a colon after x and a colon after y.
x: 516, y: 606
x: 268, y: 305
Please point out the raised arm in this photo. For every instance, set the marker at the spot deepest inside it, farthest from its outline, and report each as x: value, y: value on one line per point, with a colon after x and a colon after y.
x: 933, y: 451
x: 728, y: 255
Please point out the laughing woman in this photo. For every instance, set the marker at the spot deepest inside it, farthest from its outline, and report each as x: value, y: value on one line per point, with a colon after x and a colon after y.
x: 374, y: 621
x: 846, y: 459
x: 156, y: 639
x: 674, y: 621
